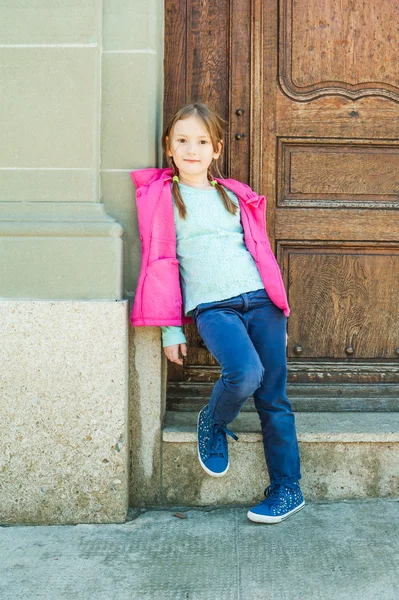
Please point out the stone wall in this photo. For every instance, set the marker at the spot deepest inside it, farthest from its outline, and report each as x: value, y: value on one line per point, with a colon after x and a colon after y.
x: 82, y: 98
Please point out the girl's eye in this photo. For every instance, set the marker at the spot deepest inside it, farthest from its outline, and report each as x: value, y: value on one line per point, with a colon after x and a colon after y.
x: 183, y: 140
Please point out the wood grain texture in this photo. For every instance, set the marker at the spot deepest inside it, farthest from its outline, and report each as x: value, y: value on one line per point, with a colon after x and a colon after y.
x: 319, y: 93
x: 324, y: 373
x: 207, y: 62
x: 336, y: 173
x: 175, y: 51
x: 381, y: 397
x: 344, y: 298
x: 338, y: 224
x: 239, y: 150
x: 257, y: 82
x: 269, y: 124
x: 335, y: 117
x: 339, y: 47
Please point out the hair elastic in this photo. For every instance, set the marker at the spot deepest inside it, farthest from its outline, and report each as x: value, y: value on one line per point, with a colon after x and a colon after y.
x: 176, y: 178
x: 213, y: 182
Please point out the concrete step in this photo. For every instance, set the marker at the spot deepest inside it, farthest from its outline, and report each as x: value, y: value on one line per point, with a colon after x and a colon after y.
x: 343, y: 456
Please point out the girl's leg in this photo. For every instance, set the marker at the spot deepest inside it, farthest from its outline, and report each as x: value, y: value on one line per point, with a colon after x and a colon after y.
x: 223, y: 329
x: 267, y: 330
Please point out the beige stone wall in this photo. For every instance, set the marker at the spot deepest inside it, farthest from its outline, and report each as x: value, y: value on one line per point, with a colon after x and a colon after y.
x: 63, y: 412
x: 82, y: 97
x: 131, y: 120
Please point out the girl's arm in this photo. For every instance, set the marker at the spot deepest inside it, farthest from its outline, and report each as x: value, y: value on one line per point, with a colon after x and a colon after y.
x: 173, y: 340
x: 172, y: 335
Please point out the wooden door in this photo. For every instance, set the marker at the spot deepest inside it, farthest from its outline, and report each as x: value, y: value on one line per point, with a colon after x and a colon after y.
x: 310, y: 91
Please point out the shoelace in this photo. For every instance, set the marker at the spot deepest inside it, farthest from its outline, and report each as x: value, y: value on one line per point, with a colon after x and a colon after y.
x: 274, y: 490
x: 218, y: 442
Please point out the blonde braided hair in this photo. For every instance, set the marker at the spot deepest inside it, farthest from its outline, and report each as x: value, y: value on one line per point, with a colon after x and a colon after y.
x: 213, y: 123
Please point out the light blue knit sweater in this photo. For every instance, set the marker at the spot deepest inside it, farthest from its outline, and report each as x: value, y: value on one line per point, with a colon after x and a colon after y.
x: 214, y: 262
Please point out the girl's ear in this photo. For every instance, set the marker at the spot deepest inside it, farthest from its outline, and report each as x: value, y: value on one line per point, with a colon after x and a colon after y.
x: 168, y: 151
x: 217, y: 154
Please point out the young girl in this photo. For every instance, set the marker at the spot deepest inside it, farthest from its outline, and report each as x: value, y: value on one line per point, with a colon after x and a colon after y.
x: 206, y: 259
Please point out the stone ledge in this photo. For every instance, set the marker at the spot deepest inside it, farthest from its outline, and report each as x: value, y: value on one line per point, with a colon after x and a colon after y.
x: 58, y: 219
x: 180, y: 427
x: 343, y: 456
x: 60, y: 251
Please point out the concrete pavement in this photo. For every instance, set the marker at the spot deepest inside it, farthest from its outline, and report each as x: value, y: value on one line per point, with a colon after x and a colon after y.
x: 327, y: 551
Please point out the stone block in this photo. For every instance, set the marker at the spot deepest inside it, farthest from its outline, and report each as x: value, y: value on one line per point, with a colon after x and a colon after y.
x: 131, y: 24
x: 131, y: 112
x: 49, y: 22
x: 49, y: 97
x: 60, y: 251
x: 48, y: 185
x: 118, y: 196
x: 63, y: 412
x: 147, y: 390
x: 343, y: 456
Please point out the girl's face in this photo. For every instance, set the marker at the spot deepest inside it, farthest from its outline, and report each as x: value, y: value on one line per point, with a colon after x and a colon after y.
x: 191, y: 148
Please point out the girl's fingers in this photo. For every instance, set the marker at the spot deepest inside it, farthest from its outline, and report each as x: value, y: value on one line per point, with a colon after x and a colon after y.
x: 172, y: 353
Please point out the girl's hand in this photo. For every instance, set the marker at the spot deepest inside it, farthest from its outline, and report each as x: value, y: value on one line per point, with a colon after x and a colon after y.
x: 172, y: 352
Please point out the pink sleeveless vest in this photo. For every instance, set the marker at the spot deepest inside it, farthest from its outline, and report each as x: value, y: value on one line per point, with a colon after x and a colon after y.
x: 158, y: 299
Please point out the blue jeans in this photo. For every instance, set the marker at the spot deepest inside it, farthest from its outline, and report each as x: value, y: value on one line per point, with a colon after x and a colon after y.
x: 247, y: 336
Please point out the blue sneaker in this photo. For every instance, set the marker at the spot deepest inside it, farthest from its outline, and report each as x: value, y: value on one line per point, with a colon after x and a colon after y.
x: 282, y: 500
x: 213, y: 450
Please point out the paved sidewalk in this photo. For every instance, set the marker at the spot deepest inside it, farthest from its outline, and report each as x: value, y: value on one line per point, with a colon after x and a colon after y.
x: 327, y: 551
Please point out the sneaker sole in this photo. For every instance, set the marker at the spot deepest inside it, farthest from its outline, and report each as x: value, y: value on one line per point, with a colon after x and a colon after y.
x: 256, y: 518
x: 212, y: 473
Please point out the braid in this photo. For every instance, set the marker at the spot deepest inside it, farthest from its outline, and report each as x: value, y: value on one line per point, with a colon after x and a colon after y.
x: 229, y: 205
x: 227, y: 201
x: 181, y: 207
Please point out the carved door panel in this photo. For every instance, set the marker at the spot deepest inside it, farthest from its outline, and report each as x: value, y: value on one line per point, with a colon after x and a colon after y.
x: 312, y: 102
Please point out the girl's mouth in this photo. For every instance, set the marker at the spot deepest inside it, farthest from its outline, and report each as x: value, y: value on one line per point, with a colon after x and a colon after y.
x: 192, y: 161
